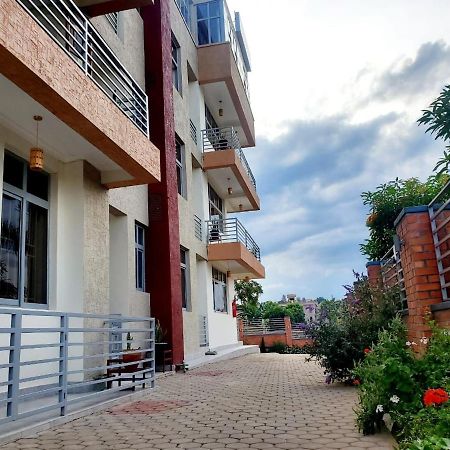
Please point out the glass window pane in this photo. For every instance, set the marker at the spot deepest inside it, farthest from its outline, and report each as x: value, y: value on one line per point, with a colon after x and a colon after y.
x: 214, y: 30
x: 139, y: 269
x: 13, y: 171
x: 203, y: 34
x: 10, y: 244
x: 214, y: 9
x: 183, y: 288
x: 37, y: 184
x: 202, y: 11
x: 179, y: 180
x: 36, y: 255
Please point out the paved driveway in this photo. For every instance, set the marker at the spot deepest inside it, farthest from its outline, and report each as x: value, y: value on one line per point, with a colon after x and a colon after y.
x: 256, y: 402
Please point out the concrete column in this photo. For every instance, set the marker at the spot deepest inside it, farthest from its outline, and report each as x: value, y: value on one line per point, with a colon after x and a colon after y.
x: 419, y: 268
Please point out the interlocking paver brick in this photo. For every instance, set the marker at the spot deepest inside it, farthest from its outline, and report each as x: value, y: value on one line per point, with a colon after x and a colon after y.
x: 254, y: 402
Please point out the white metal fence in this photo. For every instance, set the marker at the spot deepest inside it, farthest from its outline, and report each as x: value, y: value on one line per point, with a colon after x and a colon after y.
x: 263, y: 326
x: 392, y: 274
x: 52, y: 361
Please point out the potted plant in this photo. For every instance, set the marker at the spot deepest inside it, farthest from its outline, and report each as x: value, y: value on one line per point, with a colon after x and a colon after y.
x: 132, y: 355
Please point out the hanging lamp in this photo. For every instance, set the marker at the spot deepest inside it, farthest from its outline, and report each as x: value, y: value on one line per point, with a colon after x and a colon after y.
x: 36, y: 153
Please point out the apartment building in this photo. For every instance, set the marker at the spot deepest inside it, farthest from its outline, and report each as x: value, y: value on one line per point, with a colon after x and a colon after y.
x: 122, y: 128
x: 215, y: 184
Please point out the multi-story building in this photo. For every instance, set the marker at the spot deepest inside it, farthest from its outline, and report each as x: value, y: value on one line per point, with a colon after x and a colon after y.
x: 135, y: 114
x: 213, y: 123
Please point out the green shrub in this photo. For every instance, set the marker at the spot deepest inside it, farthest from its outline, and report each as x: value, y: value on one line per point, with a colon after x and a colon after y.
x: 346, y: 328
x: 278, y: 347
x: 394, y: 381
x: 430, y: 443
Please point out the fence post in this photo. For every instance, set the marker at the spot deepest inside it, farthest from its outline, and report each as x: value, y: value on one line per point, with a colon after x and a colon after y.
x: 288, y: 330
x: 240, y: 329
x: 15, y: 341
x: 374, y: 273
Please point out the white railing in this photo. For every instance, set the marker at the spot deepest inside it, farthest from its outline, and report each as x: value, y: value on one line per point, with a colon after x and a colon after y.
x: 226, y: 138
x: 392, y: 274
x: 263, y: 326
x: 69, y: 28
x: 52, y: 361
x: 439, y: 212
x: 231, y: 230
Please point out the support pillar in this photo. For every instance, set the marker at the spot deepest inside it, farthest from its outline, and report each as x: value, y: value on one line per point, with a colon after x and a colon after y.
x: 163, y: 243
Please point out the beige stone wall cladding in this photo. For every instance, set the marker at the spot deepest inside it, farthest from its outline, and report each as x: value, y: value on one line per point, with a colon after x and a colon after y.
x: 42, y: 69
x: 128, y: 43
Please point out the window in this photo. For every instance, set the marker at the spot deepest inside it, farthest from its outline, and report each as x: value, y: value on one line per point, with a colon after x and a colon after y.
x: 181, y: 167
x: 219, y: 280
x: 139, y: 251
x: 24, y: 234
x: 176, y: 66
x: 209, y: 22
x: 113, y: 19
x: 184, y: 263
x: 185, y: 8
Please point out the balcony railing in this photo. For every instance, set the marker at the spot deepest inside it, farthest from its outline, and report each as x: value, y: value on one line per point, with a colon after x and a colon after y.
x: 70, y: 29
x: 215, y: 139
x: 53, y: 361
x: 193, y: 130
x: 392, y: 275
x: 439, y: 211
x: 231, y: 230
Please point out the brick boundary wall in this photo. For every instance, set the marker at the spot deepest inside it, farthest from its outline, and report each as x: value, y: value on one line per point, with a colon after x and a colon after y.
x: 421, y: 276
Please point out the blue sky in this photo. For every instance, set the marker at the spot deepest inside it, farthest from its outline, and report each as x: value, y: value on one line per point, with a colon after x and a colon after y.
x: 336, y: 89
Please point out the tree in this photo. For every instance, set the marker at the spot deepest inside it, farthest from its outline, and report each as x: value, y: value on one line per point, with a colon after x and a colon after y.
x: 437, y: 119
x: 248, y: 292
x: 295, y: 312
x: 386, y: 202
x: 272, y: 310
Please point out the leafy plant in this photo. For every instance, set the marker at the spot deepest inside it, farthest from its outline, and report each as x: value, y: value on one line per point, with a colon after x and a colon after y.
x: 295, y: 312
x: 248, y: 292
x: 346, y: 328
x: 412, y: 388
x: 386, y: 202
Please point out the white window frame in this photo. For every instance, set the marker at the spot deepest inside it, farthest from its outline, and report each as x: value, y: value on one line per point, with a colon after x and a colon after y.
x: 181, y: 165
x: 219, y: 281
x: 185, y: 272
x: 176, y: 65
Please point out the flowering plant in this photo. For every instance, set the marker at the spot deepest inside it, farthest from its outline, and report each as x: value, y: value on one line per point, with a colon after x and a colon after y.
x: 435, y: 397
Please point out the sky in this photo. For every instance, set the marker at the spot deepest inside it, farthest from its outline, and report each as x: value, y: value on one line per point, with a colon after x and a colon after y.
x: 336, y: 89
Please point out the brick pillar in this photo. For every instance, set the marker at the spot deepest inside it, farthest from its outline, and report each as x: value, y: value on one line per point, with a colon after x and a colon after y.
x: 241, y: 329
x: 374, y: 273
x: 419, y: 268
x: 288, y: 330
x: 163, y: 243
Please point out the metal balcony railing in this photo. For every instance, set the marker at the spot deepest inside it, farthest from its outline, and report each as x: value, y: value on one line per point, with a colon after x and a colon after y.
x: 52, y: 361
x: 231, y: 230
x: 392, y: 274
x: 69, y: 28
x: 215, y: 139
x: 193, y: 130
x: 439, y: 212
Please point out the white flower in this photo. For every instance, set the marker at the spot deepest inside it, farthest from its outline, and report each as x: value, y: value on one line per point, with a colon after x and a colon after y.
x: 394, y: 399
x: 413, y: 343
x: 379, y: 409
x: 408, y: 343
x: 424, y: 340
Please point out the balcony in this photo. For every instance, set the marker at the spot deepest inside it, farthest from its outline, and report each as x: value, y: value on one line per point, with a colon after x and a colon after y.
x: 100, y: 7
x: 228, y: 168
x: 230, y: 244
x: 70, y: 71
x: 223, y: 66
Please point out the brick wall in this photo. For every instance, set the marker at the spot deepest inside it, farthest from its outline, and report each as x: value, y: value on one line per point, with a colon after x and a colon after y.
x: 420, y: 270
